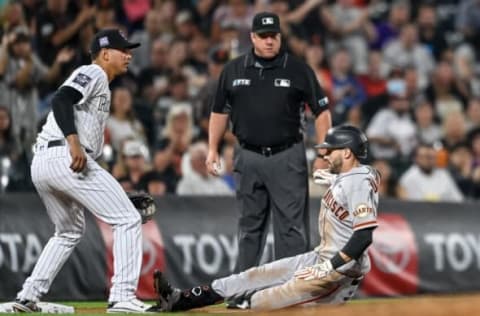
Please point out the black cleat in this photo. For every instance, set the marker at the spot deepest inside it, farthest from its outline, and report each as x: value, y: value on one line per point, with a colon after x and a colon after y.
x: 167, y: 295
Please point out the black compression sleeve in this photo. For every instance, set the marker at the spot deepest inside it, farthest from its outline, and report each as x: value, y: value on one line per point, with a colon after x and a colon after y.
x: 357, y: 244
x: 62, y: 106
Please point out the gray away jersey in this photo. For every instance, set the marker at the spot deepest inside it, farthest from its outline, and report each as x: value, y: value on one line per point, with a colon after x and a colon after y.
x: 90, y: 113
x: 349, y: 204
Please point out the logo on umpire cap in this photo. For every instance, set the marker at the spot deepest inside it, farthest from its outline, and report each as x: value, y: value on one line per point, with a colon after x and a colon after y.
x: 268, y: 21
x: 103, y: 41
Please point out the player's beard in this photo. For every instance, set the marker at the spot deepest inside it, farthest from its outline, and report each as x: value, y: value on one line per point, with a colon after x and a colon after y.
x: 336, y: 165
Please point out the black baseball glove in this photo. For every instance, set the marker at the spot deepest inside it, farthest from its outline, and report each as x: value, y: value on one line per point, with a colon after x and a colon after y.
x: 144, y: 203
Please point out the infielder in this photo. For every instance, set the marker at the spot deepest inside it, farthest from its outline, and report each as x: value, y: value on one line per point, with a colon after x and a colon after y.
x: 330, y: 273
x: 69, y: 181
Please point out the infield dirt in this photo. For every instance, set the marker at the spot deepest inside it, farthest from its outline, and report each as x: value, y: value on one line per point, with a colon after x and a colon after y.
x: 453, y: 305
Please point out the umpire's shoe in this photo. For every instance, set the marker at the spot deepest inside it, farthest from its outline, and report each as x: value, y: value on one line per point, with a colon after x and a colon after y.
x: 25, y: 306
x: 132, y: 306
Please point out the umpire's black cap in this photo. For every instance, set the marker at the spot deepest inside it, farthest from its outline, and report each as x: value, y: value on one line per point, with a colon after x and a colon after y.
x: 266, y: 22
x: 110, y: 38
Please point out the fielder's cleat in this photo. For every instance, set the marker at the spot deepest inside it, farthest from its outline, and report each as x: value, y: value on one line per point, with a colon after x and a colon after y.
x: 25, y: 306
x: 132, y: 306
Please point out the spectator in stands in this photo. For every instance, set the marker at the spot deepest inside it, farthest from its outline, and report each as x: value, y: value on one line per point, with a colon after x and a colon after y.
x: 473, y: 139
x: 386, y: 31
x: 388, y: 185
x: 374, y: 80
x: 412, y: 83
x: 473, y: 113
x: 315, y: 58
x: 177, y: 56
x: 347, y: 91
x: 199, y: 181
x: 106, y: 16
x: 135, y: 12
x: 391, y: 131
x: 461, y: 168
x: 82, y: 51
x: 177, y: 94
x: 196, y: 64
x: 428, y: 131
x: 176, y: 136
x: 122, y: 123
x: 374, y: 83
x: 454, y: 130
x: 229, y: 38
x: 9, y: 146
x: 146, y: 37
x: 444, y: 93
x: 185, y: 26
x: 153, y: 80
x: 13, y: 17
x: 58, y: 27
x: 423, y: 181
x: 466, y: 69
x: 348, y: 27
x: 134, y: 163
x: 168, y: 11
x: 468, y: 19
x: 154, y: 183
x: 407, y: 51
x: 294, y: 24
x: 429, y: 33
x: 20, y: 72
x: 217, y: 58
x: 203, y: 14
x: 238, y: 12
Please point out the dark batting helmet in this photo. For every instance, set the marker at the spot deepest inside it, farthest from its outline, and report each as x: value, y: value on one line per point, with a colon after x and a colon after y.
x: 346, y: 136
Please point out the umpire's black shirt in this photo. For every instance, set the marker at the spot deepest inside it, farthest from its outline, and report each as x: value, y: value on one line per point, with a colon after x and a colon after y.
x: 266, y: 98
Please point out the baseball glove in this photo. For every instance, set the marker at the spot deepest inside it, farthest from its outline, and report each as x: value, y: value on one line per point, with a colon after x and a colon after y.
x: 144, y: 203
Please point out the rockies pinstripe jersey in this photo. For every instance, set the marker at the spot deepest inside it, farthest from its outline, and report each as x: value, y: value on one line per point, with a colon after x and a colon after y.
x: 349, y: 204
x: 90, y: 113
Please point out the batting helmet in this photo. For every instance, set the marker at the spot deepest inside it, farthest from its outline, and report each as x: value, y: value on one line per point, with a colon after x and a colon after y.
x: 346, y: 136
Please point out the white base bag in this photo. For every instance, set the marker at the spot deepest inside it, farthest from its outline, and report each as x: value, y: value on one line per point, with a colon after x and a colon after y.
x: 45, y: 307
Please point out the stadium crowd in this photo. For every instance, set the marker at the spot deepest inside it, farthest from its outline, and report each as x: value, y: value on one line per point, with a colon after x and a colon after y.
x: 405, y: 72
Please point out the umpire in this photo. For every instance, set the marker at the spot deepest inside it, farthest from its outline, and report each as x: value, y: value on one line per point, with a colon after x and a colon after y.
x: 264, y: 92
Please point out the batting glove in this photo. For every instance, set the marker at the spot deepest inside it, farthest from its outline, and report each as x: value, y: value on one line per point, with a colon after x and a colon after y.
x: 323, y: 177
x: 315, y: 272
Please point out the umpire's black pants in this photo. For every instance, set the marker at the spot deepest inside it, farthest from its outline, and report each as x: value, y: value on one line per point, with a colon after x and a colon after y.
x: 278, y: 183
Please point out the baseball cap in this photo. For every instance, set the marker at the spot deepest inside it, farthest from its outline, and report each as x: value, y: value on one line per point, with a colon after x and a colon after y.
x: 135, y: 148
x: 266, y: 22
x: 110, y: 38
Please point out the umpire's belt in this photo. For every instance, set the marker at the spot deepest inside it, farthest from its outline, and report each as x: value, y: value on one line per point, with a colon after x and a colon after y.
x: 267, y: 151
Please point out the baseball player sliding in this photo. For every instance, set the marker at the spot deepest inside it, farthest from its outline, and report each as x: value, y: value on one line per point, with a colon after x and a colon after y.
x: 69, y: 181
x: 330, y: 273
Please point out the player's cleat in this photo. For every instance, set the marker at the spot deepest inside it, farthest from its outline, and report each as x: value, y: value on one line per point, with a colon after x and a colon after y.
x: 132, y: 306
x: 173, y: 299
x: 25, y: 306
x: 239, y: 302
x: 167, y: 295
